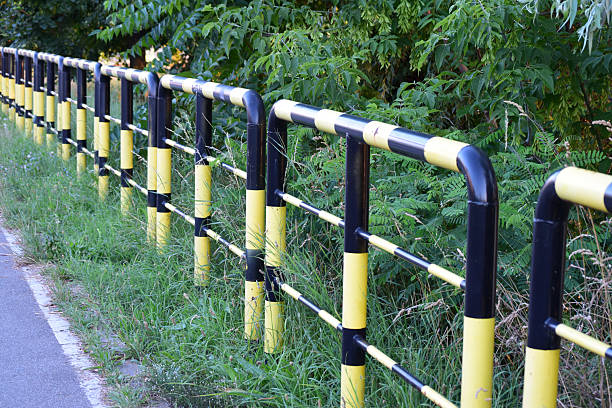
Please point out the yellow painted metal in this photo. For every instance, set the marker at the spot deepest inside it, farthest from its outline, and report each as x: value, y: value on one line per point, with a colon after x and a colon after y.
x: 443, y: 152
x: 162, y: 232
x: 581, y: 339
x: 253, y: 308
x: 274, y: 327
x: 203, y: 196
x: 275, y: 234
x: 255, y: 214
x: 352, y: 386
x: 354, y: 290
x: 381, y: 357
x: 436, y: 398
x: 541, y: 376
x: 325, y: 120
x: 102, y: 187
x: 151, y: 224
x: 445, y: 275
x: 81, y: 135
x: 583, y: 187
x: 28, y: 108
x: 201, y: 255
x: 377, y: 134
x: 96, y: 131
x: 477, y: 367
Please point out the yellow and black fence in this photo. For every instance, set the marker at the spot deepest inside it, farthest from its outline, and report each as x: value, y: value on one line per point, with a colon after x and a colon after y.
x: 26, y: 76
x: 479, y: 285
x: 563, y: 188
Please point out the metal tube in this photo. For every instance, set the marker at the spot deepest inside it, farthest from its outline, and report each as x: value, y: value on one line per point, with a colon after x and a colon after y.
x: 39, y: 101
x: 50, y: 102
x: 19, y: 91
x: 164, y: 166
x: 127, y: 145
x: 81, y: 120
x: 103, y: 135
x: 203, y: 194
x: 27, y: 67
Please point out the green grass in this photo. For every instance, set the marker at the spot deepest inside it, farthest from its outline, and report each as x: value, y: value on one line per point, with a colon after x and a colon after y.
x: 109, y: 279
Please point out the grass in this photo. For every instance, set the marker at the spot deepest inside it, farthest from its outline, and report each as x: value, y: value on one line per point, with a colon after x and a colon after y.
x: 108, y: 279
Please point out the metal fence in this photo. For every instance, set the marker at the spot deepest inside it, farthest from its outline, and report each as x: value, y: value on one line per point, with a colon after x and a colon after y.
x: 22, y: 88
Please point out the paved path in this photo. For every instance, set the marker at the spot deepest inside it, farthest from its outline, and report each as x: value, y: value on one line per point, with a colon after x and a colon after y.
x: 34, y: 371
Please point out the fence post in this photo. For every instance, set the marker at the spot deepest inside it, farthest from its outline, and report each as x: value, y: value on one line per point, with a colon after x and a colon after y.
x: 355, y: 273
x: 96, y: 125
x: 103, y: 135
x: 19, y: 91
x: 203, y: 195
x: 65, y: 123
x: 39, y: 101
x: 27, y: 66
x: 152, y: 88
x: 81, y: 112
x: 276, y: 211
x: 50, y: 102
x: 255, y: 211
x: 127, y: 145
x: 2, y: 82
x: 164, y: 165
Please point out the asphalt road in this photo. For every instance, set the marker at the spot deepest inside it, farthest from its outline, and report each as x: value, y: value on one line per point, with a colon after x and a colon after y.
x: 34, y: 372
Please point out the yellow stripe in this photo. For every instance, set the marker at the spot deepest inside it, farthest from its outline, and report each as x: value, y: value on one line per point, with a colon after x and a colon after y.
x: 127, y: 144
x: 66, y: 115
x: 151, y: 224
x: 208, y: 89
x: 81, y: 124
x: 274, y: 327
x: 20, y: 91
x: 583, y: 187
x: 352, y: 385
x: 275, y: 234
x: 436, y: 398
x: 445, y: 275
x: 164, y: 171
x: 50, y: 139
x: 290, y: 291
x: 187, y: 85
x: 324, y: 215
x: 28, y: 98
x: 331, y: 320
x: 102, y: 187
x: 354, y: 290
x: 283, y: 109
x: 541, y: 376
x: 382, y: 244
x: 81, y: 163
x: 581, y: 339
x: 126, y: 200
x: 50, y: 108
x: 203, y: 197
x: 162, y: 229
x: 443, y: 152
x: 39, y: 135
x: 477, y: 369
x: 151, y: 168
x: 103, y: 139
x: 292, y: 200
x: 255, y: 214
x: 237, y: 251
x: 325, y: 120
x: 236, y: 95
x: 165, y: 81
x: 201, y: 259
x: 66, y: 150
x: 381, y: 357
x: 253, y: 308
x: 377, y: 134
x: 11, y: 88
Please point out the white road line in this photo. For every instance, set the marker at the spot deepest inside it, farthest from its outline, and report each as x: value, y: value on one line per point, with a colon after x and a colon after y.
x: 91, y: 383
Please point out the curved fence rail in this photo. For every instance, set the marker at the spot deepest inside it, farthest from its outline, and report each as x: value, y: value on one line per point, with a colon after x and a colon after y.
x: 26, y: 76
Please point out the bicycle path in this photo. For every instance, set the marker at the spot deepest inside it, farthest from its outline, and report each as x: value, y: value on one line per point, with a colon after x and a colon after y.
x: 35, y: 369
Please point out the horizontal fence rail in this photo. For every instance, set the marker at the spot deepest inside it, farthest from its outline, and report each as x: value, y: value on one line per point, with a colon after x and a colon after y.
x: 479, y: 285
x: 563, y: 188
x: 35, y: 94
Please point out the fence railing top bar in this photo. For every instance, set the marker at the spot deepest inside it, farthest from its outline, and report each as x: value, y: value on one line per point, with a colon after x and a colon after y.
x: 49, y: 57
x: 576, y: 186
x: 441, y: 152
x: 26, y: 53
x: 245, y: 98
x: 131, y: 74
x: 80, y: 63
x: 9, y: 50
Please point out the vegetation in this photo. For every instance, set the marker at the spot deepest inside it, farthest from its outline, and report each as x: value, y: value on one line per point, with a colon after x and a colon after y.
x: 528, y: 82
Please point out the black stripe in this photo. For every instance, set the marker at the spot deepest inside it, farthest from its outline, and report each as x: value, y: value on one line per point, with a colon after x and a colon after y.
x: 352, y: 355
x: 310, y: 208
x: 608, y: 198
x: 351, y: 125
x: 222, y: 92
x: 151, y: 197
x: 316, y: 309
x: 126, y: 174
x: 161, y: 199
x: 406, y: 376
x: 272, y: 285
x: 201, y: 225
x: 255, y: 265
x: 304, y: 114
x: 80, y: 145
x: 609, y: 353
x: 103, y: 172
x: 408, y: 143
